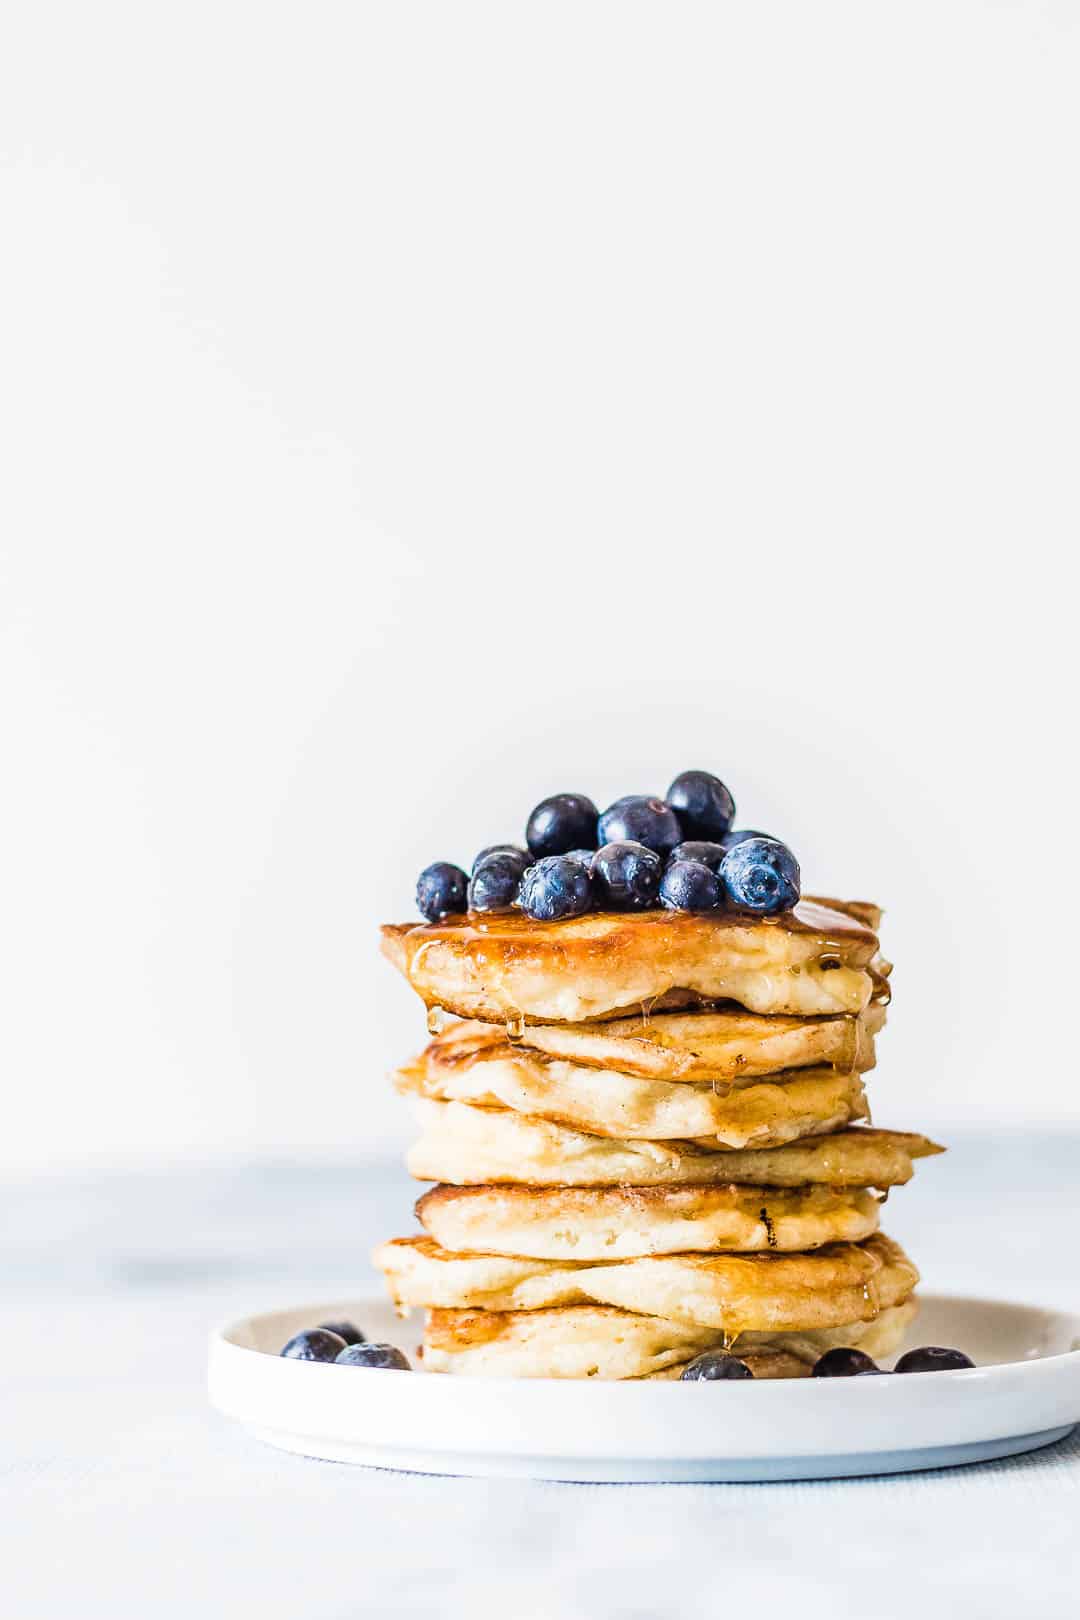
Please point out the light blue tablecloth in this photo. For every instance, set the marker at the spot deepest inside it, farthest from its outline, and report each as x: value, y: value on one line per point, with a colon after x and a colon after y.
x: 123, y: 1495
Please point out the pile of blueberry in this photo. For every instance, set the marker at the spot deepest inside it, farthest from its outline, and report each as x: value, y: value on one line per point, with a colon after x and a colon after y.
x: 843, y: 1362
x: 679, y: 852
x: 345, y: 1345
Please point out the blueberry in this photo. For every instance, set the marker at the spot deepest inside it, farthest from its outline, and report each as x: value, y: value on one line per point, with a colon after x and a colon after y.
x: 566, y: 821
x: 344, y: 1330
x: 373, y: 1355
x: 717, y: 1364
x: 494, y: 883
x: 585, y: 856
x: 690, y: 886
x: 639, y: 820
x: 933, y: 1358
x: 500, y: 849
x: 440, y: 890
x: 317, y: 1344
x: 696, y: 849
x: 761, y: 875
x: 626, y: 877
x: 844, y: 1362
x: 702, y: 803
x: 739, y: 835
x: 555, y: 887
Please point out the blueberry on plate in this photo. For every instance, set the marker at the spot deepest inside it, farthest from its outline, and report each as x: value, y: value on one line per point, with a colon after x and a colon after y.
x: 637, y: 819
x: 441, y: 889
x: 500, y: 849
x: 690, y: 886
x: 626, y: 877
x: 933, y: 1358
x: 698, y: 849
x: 702, y: 803
x: 844, y: 1362
x: 739, y: 835
x: 565, y: 821
x: 761, y: 875
x: 344, y: 1330
x: 494, y: 882
x: 716, y: 1364
x: 374, y: 1355
x: 317, y: 1344
x: 555, y: 887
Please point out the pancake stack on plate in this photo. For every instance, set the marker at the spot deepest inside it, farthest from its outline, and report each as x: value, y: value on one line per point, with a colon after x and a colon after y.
x: 645, y: 1133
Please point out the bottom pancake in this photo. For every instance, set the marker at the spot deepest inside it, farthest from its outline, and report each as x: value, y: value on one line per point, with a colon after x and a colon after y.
x: 731, y: 1293
x: 596, y: 1341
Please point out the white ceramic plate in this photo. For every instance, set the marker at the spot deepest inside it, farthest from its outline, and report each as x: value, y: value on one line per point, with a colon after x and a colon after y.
x: 1024, y: 1393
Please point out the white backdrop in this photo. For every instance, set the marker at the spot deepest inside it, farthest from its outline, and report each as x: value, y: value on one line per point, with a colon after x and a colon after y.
x: 409, y: 411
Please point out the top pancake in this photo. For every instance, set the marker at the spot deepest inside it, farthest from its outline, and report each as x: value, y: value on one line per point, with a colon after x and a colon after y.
x: 811, y: 961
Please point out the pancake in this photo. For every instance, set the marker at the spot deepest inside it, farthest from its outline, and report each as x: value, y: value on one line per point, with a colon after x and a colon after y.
x: 842, y: 1282
x: 485, y: 1069
x: 729, y: 1045
x: 597, y: 1341
x: 615, y: 1223
x: 474, y: 1062
x: 470, y: 1146
x: 508, y: 968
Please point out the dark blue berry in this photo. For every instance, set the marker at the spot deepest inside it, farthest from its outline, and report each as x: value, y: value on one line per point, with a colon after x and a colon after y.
x: 626, y: 877
x: 440, y: 890
x: 640, y: 820
x: 690, y: 886
x: 844, y: 1362
x: 739, y: 835
x: 374, y: 1355
x: 585, y: 856
x: 696, y: 849
x: 317, y: 1344
x: 702, y: 803
x: 494, y: 883
x: 500, y: 849
x: 566, y: 821
x: 717, y: 1364
x: 344, y: 1330
x: 556, y: 886
x: 933, y: 1358
x: 761, y: 875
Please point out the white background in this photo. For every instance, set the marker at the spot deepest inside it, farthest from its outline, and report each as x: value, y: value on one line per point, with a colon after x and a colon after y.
x: 408, y: 411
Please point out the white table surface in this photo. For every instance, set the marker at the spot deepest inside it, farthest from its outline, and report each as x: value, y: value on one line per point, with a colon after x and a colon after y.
x: 124, y: 1495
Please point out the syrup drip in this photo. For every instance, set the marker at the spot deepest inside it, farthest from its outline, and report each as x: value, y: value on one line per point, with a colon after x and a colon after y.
x: 646, y: 1010
x: 436, y: 1019
x: 515, y: 1028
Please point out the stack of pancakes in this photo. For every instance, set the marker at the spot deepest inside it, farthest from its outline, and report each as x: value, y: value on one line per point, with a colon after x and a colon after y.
x: 645, y: 1133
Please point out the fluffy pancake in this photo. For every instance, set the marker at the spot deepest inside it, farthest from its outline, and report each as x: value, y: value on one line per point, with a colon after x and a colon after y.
x: 597, y: 1341
x: 470, y: 1146
x: 508, y: 968
x: 765, y: 1293
x: 730, y: 1045
x: 475, y: 1063
x: 615, y: 1223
